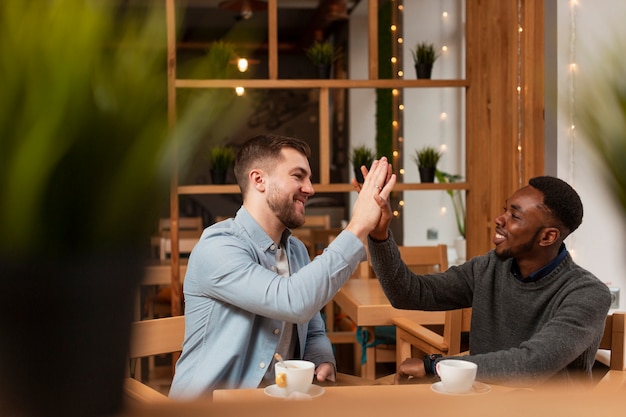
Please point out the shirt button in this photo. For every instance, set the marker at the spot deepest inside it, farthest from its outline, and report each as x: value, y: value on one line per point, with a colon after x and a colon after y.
x: 262, y: 365
x: 276, y: 331
x: 273, y: 247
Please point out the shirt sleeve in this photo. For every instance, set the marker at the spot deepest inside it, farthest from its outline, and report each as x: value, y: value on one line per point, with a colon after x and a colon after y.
x: 230, y: 269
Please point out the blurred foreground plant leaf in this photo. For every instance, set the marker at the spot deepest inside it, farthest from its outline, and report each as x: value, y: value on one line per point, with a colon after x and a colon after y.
x: 85, y: 149
x: 601, y: 110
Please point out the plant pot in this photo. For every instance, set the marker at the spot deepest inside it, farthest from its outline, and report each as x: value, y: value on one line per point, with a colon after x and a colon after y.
x: 358, y: 175
x: 460, y: 245
x: 65, y: 326
x: 323, y: 71
x: 218, y: 176
x: 423, y: 70
x: 427, y: 174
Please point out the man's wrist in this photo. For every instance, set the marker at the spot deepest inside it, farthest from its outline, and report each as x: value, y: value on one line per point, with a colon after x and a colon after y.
x: 430, y: 362
x: 379, y: 239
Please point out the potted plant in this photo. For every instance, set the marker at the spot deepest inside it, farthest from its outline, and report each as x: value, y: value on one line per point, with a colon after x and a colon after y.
x: 426, y: 159
x: 221, y: 159
x: 361, y: 155
x: 323, y: 55
x: 80, y: 185
x: 424, y: 57
x: 458, y: 204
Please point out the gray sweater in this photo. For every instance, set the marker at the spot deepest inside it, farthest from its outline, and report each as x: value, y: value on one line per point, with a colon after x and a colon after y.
x: 521, y: 333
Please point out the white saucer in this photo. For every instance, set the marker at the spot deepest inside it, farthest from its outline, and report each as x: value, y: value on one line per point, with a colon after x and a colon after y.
x: 477, y: 389
x: 274, y: 391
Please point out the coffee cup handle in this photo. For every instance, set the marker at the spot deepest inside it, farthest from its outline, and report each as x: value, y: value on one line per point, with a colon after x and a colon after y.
x: 437, y: 368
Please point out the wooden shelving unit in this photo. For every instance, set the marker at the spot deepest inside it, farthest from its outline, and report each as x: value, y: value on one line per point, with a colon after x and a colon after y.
x: 495, y: 166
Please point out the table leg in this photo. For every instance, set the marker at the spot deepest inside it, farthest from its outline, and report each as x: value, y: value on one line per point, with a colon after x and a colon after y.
x: 368, y: 369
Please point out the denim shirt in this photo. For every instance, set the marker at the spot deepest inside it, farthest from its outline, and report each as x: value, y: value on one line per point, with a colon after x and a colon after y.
x: 236, y: 302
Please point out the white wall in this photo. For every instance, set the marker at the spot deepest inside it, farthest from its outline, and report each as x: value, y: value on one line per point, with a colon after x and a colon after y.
x: 423, y: 109
x: 599, y: 243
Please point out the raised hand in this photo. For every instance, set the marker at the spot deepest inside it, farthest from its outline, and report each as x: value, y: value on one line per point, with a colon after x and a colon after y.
x: 372, y: 200
x: 381, y: 230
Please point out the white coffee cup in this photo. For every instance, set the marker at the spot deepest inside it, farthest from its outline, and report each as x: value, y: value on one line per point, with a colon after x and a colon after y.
x: 296, y: 377
x: 457, y: 376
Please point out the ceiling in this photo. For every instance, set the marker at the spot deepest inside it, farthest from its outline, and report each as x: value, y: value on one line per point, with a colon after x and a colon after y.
x: 240, y: 21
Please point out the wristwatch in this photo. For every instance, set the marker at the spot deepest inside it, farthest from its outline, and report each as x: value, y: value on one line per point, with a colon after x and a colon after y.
x: 429, y: 363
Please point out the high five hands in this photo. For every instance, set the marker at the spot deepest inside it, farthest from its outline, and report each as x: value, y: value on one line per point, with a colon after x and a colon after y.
x: 378, y: 184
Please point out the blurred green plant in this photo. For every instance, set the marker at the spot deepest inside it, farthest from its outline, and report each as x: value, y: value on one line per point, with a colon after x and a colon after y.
x: 601, y: 113
x: 427, y: 157
x: 424, y: 53
x: 362, y: 155
x: 322, y: 53
x: 221, y: 157
x: 86, y: 153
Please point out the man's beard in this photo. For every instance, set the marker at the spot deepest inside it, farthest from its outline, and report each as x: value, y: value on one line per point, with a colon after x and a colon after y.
x: 284, y: 209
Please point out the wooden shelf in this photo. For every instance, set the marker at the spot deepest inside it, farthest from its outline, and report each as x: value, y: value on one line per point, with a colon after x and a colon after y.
x: 334, y: 83
x: 321, y: 188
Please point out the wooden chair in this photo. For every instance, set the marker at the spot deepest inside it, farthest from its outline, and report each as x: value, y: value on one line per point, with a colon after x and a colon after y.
x: 189, y: 231
x: 612, y: 350
x: 421, y: 260
x: 413, y: 339
x: 149, y: 338
x: 306, y: 233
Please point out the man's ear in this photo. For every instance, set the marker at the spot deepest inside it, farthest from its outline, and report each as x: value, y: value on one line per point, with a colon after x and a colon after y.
x: 549, y: 236
x: 257, y: 179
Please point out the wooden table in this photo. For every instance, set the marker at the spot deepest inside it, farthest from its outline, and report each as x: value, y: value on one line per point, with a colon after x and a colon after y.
x: 421, y: 400
x: 364, y: 301
x: 607, y: 399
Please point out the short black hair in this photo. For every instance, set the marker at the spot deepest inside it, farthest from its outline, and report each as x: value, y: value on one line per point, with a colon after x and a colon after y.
x: 561, y: 199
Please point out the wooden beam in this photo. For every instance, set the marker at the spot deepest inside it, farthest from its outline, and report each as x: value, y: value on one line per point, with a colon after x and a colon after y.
x: 504, y: 129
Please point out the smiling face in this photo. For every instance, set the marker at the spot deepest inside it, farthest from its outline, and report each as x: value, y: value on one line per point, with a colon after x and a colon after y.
x: 288, y: 188
x: 522, y: 231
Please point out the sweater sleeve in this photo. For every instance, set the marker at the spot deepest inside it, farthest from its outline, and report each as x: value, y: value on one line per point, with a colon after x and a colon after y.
x: 557, y: 335
x: 448, y: 290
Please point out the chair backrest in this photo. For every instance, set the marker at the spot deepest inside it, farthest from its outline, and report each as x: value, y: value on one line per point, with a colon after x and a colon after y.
x: 614, y: 340
x: 321, y: 221
x: 157, y: 336
x: 425, y: 259
x: 149, y: 338
x: 184, y: 223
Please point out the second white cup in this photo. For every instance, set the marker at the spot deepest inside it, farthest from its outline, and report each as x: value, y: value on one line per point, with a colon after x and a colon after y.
x: 457, y: 376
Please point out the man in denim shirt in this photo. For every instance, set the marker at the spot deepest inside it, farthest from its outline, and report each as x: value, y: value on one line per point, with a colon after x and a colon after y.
x: 250, y: 288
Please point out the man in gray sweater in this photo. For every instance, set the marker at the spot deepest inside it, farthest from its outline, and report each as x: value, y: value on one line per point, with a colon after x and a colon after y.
x: 536, y: 315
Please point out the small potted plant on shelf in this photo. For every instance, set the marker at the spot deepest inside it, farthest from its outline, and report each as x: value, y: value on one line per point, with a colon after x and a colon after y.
x: 361, y: 155
x: 323, y: 55
x: 219, y: 60
x: 458, y: 205
x: 426, y: 159
x: 222, y: 157
x: 424, y: 57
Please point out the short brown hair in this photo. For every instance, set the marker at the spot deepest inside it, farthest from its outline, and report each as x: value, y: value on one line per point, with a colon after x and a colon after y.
x: 262, y: 151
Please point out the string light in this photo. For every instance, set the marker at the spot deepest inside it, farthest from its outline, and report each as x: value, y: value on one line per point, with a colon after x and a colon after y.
x: 242, y: 64
x: 397, y: 94
x: 571, y: 92
x: 519, y: 94
x: 240, y: 91
x: 571, y: 88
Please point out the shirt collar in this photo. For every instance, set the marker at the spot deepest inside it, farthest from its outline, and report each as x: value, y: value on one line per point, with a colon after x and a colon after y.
x: 256, y: 232
x: 543, y: 271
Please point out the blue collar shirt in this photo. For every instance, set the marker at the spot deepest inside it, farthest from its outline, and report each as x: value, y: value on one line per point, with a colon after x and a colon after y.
x: 236, y: 303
